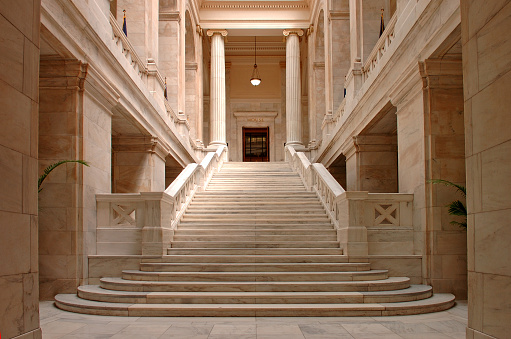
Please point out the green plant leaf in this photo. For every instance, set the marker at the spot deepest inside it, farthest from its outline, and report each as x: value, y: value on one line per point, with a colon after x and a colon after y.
x: 50, y: 168
x: 457, y: 208
x: 462, y: 224
x: 461, y: 189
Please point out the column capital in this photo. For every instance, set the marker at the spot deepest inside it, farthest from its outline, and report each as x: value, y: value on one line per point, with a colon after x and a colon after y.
x: 298, y: 32
x: 210, y: 32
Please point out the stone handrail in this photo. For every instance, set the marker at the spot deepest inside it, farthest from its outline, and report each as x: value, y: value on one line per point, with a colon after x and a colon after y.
x: 379, y: 49
x: 155, y: 215
x: 356, y: 214
x: 317, y: 178
x: 127, y: 48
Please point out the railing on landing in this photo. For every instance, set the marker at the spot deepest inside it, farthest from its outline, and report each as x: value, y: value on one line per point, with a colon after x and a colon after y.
x: 153, y: 216
x: 356, y: 213
x: 127, y: 48
x: 382, y: 45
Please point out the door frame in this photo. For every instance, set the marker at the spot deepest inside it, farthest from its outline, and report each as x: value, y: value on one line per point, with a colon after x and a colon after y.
x: 261, y: 130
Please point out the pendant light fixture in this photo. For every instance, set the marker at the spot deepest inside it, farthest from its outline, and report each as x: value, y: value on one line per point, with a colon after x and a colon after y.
x: 256, y: 79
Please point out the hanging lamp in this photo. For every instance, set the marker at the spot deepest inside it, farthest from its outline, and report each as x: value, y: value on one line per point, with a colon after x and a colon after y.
x: 256, y: 79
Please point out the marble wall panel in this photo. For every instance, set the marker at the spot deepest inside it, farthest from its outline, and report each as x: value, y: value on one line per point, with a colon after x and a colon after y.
x: 487, y: 79
x: 19, y: 60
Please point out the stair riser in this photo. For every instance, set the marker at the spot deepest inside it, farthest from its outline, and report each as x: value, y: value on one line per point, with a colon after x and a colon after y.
x: 254, y: 220
x: 266, y: 276
x: 287, y: 299
x: 257, y: 238
x: 250, y: 226
x: 255, y: 251
x: 207, y: 244
x: 254, y: 233
x: 260, y: 267
x: 252, y: 259
x: 251, y: 287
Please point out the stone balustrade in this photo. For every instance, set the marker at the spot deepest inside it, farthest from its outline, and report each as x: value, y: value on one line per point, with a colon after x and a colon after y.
x: 366, y: 223
x: 372, y: 63
x: 127, y: 49
x: 144, y: 223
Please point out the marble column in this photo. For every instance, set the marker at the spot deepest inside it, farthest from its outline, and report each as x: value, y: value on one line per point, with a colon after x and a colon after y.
x: 217, y: 89
x: 293, y: 87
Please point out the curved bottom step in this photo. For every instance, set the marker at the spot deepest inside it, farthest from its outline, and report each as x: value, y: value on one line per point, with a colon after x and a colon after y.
x: 72, y: 303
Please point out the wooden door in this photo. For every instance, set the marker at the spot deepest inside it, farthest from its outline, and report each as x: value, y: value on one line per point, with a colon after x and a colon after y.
x: 256, y: 144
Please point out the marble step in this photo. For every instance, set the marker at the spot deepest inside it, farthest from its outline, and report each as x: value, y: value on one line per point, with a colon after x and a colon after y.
x: 254, y: 251
x: 119, y: 284
x: 178, y: 236
x: 251, y: 189
x: 254, y: 267
x: 188, y: 231
x: 198, y: 210
x: 96, y: 293
x: 254, y: 244
x: 254, y: 276
x: 256, y: 218
x: 438, y: 302
x: 254, y: 204
x: 251, y: 225
x: 256, y: 194
x: 252, y: 258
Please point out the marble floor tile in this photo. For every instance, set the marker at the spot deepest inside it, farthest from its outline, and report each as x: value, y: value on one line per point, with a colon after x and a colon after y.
x: 407, y: 328
x: 104, y: 328
x: 241, y: 329
x: 61, y: 327
x: 278, y: 329
x: 58, y: 324
x: 324, y: 331
x: 431, y: 335
x: 192, y: 331
x: 366, y: 328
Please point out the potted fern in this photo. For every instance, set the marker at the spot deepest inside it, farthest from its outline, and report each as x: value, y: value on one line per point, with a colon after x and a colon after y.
x: 456, y: 207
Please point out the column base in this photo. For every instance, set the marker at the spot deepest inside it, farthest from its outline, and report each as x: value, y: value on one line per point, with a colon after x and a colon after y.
x: 216, y: 144
x: 294, y: 143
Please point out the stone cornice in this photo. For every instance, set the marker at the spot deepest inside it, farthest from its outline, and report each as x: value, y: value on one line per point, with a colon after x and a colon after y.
x: 223, y: 32
x: 170, y: 16
x: 255, y: 114
x: 254, y: 5
x: 339, y: 15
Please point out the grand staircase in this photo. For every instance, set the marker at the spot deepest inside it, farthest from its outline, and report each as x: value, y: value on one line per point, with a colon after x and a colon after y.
x: 255, y: 243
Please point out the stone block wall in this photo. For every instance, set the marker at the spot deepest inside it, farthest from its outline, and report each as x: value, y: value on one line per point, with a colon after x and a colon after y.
x: 19, y: 67
x: 487, y: 80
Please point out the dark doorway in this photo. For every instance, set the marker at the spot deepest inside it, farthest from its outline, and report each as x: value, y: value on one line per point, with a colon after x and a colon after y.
x: 255, y: 144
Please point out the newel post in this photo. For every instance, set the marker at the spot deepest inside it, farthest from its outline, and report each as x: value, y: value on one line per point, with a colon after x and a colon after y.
x: 352, y: 233
x: 157, y: 233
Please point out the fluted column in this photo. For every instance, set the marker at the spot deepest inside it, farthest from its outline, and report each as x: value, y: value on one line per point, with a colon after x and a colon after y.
x: 293, y: 87
x: 217, y: 90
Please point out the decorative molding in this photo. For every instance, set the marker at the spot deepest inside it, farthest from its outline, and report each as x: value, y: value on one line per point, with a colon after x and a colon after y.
x: 210, y: 32
x: 170, y: 16
x: 254, y: 5
x: 199, y: 30
x: 255, y: 115
x: 298, y: 32
x: 318, y: 64
x: 192, y: 66
x: 310, y: 30
x: 339, y: 15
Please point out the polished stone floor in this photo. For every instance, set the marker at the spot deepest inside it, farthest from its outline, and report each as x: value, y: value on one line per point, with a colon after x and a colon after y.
x: 442, y: 325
